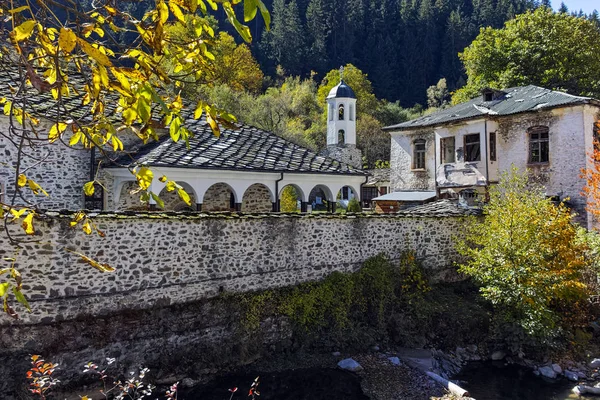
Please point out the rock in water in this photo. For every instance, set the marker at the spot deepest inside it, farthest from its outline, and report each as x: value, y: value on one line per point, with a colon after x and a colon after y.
x: 395, y: 360
x: 498, y: 355
x: 557, y: 368
x: 547, y: 372
x: 350, y: 365
x: 572, y: 376
x: 595, y: 363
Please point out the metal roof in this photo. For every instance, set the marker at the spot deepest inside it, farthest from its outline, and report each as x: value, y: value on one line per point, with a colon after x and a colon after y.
x: 407, y: 196
x: 341, y: 90
x: 511, y: 101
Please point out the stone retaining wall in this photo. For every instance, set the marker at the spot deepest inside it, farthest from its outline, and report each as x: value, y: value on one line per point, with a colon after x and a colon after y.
x: 165, y: 259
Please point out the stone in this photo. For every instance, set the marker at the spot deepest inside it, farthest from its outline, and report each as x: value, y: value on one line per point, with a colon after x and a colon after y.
x: 557, y: 369
x: 572, y: 376
x: 375, y: 348
x: 395, y: 360
x: 336, y: 354
x: 498, y: 355
x: 595, y: 363
x: 547, y: 372
x: 350, y: 365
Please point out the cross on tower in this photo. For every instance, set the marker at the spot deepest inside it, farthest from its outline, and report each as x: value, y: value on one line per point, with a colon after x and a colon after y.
x: 342, y: 73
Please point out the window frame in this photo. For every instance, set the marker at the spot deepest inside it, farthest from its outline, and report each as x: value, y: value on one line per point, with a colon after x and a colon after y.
x: 443, y: 147
x: 341, y: 112
x: 418, y: 156
x: 539, y: 145
x: 493, y: 147
x: 467, y: 144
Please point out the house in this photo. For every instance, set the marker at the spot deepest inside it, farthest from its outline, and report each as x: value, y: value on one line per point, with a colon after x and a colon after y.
x: 377, y: 185
x: 245, y: 169
x: 459, y: 151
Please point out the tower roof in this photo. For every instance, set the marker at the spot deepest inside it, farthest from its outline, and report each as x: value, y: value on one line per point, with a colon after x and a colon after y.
x: 341, y: 90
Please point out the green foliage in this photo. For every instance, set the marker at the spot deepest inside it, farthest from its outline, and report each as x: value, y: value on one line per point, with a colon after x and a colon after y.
x: 437, y: 95
x: 353, y: 205
x: 366, y: 102
x: 553, y: 50
x: 289, y: 199
x: 526, y: 257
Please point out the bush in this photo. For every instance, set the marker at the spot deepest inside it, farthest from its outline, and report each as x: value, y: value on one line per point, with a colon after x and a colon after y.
x: 354, y: 205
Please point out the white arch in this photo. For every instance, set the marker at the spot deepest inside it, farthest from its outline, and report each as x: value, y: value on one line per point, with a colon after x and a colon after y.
x: 235, y: 196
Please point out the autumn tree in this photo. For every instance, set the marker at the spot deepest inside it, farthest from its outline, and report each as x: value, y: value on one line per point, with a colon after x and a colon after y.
x: 525, y: 256
x: 591, y: 174
x: 553, y: 50
x: 99, y: 92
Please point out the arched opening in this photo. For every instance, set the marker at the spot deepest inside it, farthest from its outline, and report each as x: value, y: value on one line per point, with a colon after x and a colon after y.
x: 290, y: 199
x: 257, y: 199
x: 341, y: 136
x: 347, y: 200
x: 341, y: 112
x: 172, y: 201
x: 318, y: 198
x: 219, y: 197
x: 129, y: 198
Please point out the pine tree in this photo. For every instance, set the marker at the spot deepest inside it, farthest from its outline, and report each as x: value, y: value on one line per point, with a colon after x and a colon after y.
x: 318, y: 32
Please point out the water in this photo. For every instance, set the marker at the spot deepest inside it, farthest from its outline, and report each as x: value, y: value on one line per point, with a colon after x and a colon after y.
x: 494, y: 381
x: 301, y: 384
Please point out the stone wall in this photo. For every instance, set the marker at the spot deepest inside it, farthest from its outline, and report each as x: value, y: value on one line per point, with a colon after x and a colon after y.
x: 217, y: 198
x: 257, y: 199
x: 183, y: 258
x: 64, y: 184
x: 402, y: 174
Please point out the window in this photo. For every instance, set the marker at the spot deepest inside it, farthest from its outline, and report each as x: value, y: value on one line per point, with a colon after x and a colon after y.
x: 488, y: 96
x: 538, y: 144
x: 341, y: 136
x: 341, y: 112
x: 96, y: 200
x: 351, y: 115
x: 492, y: 146
x: 472, y: 148
x: 447, y: 150
x: 383, y: 190
x: 419, y: 154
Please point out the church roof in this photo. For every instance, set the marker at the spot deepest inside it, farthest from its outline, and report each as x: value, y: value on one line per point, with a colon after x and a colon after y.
x: 245, y: 149
x: 507, y: 102
x: 341, y: 90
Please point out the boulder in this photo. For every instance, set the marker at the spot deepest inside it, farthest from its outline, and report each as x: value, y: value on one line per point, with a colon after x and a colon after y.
x: 557, y: 368
x: 547, y: 372
x: 572, y: 376
x: 336, y: 354
x: 395, y: 360
x: 350, y: 365
x: 595, y: 363
x: 498, y: 355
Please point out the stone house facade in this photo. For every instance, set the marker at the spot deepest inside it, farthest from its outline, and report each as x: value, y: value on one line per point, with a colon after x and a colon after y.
x: 459, y: 151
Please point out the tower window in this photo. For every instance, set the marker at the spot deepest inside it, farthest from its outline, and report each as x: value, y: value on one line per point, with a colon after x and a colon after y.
x: 341, y: 136
x: 351, y: 114
x: 419, y: 154
x: 341, y: 112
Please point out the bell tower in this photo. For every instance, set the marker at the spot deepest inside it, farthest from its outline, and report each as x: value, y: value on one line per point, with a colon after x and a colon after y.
x: 341, y: 124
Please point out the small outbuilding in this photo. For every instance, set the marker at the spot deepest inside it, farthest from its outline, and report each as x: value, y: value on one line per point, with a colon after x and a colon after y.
x: 396, y: 201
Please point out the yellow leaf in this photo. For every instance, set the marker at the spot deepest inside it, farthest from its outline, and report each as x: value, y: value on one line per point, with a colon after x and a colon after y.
x: 87, y: 228
x: 184, y: 196
x: 94, y: 263
x: 163, y: 12
x: 55, y: 131
x: 176, y: 11
x: 117, y: 143
x: 28, y: 224
x: 75, y: 138
x: 89, y: 188
x: 94, y: 53
x: 23, y: 31
x: 121, y: 78
x: 144, y: 177
x: 18, y: 9
x: 129, y: 115
x: 198, y: 111
x: 163, y: 179
x: 35, y: 188
x: 22, y: 181
x: 77, y: 218
x: 17, y: 214
x: 67, y: 40
x: 213, y: 125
